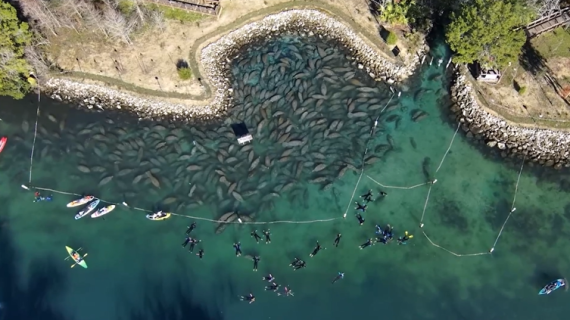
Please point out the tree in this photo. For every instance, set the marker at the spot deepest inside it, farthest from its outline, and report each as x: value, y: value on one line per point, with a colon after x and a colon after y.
x: 487, y: 31
x: 14, y: 36
x: 544, y: 8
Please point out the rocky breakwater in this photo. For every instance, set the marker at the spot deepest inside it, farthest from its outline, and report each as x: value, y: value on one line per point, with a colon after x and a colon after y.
x: 216, y: 59
x: 546, y: 147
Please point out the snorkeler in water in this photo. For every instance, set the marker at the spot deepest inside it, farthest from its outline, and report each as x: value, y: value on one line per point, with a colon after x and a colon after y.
x: 191, y: 227
x: 272, y: 287
x: 200, y: 253
x: 255, y: 236
x: 367, y: 197
x: 193, y: 243
x: 267, y: 235
x: 389, y: 232
x: 237, y: 246
x: 379, y: 230
x: 366, y: 244
x: 339, y: 276
x: 256, y: 260
x: 404, y: 239
x: 316, y: 250
x: 360, y: 207
x: 360, y: 218
x: 295, y: 262
x: 269, y: 278
x: 337, y: 239
x: 287, y: 291
x: 186, y: 241
x: 300, y: 265
x: 249, y: 298
x: 383, y: 194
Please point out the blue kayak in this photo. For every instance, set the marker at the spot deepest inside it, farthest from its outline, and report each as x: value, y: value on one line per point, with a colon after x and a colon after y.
x: 552, y: 286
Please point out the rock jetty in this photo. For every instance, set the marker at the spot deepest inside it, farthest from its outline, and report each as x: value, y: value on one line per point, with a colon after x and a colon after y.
x: 543, y: 146
x: 216, y: 60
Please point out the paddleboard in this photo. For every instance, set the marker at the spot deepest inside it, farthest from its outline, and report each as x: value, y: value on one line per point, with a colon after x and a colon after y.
x: 80, y: 202
x: 3, y: 141
x: 155, y: 216
x: 558, y: 283
x: 103, y: 211
x: 76, y: 257
x: 87, y: 209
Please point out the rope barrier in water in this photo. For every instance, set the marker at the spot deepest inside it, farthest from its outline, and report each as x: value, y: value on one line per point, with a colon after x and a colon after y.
x: 394, y: 187
x: 448, y: 148
x: 35, y: 135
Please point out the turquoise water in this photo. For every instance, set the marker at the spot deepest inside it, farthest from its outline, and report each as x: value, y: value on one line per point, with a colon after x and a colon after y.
x: 138, y: 270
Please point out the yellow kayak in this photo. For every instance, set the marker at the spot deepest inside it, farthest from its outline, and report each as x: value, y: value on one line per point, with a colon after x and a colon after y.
x: 77, y: 258
x: 157, y: 216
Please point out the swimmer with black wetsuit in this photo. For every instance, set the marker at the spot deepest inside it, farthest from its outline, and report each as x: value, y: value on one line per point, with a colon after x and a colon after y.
x: 249, y: 298
x: 366, y: 244
x: 256, y: 260
x: 255, y: 236
x: 272, y: 287
x: 360, y: 218
x: 193, y: 243
x: 316, y: 250
x: 367, y: 197
x: 191, y: 227
x: 360, y: 207
x: 302, y: 264
x: 237, y: 247
x: 186, y: 241
x: 337, y: 239
x: 267, y: 235
x: 200, y: 253
x: 269, y: 278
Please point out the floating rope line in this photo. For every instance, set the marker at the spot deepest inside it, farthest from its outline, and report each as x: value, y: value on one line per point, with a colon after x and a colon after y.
x: 35, y: 135
x: 513, y: 209
x: 448, y: 148
x: 194, y: 217
x: 394, y: 187
x: 372, y: 131
x: 453, y: 253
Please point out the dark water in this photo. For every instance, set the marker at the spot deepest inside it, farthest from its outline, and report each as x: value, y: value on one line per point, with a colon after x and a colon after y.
x: 137, y: 269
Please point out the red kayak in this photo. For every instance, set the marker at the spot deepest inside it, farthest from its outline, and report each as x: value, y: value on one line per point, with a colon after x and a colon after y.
x: 3, y: 141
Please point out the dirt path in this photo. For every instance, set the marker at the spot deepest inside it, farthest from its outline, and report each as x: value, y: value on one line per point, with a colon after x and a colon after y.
x: 148, y: 67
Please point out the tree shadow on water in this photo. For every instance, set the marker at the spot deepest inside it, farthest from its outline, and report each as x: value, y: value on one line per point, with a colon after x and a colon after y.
x: 169, y: 302
x: 30, y: 301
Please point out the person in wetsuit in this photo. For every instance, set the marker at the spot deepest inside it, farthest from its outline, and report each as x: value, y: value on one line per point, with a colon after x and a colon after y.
x: 288, y: 292
x: 366, y: 244
x: 200, y: 253
x: 237, y: 247
x: 367, y: 197
x: 379, y: 230
x: 337, y: 239
x: 267, y: 235
x: 360, y: 207
x: 186, y: 241
x: 360, y: 218
x: 383, y: 194
x: 272, y: 287
x: 299, y: 265
x: 295, y: 262
x: 191, y: 227
x: 193, y: 243
x: 249, y: 298
x: 38, y: 197
x: 316, y: 250
x: 404, y: 239
x: 340, y: 276
x: 256, y: 260
x: 269, y: 278
x: 255, y: 236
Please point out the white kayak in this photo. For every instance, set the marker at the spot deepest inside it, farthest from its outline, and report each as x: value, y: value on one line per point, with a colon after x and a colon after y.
x: 85, y: 211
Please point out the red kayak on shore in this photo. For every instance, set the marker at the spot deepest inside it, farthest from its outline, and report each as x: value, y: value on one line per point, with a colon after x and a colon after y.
x: 3, y: 141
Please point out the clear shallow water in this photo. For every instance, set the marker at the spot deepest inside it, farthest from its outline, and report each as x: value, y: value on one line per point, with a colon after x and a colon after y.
x: 137, y: 269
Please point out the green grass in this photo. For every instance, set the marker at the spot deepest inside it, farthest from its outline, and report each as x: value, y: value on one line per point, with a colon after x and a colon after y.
x: 555, y: 43
x: 184, y: 73
x: 176, y: 14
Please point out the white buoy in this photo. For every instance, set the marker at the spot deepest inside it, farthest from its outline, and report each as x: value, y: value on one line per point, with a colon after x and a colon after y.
x: 434, y: 181
x: 344, y: 216
x: 24, y: 187
x: 421, y: 225
x: 239, y: 219
x: 514, y: 209
x: 125, y: 204
x: 492, y: 249
x: 399, y: 94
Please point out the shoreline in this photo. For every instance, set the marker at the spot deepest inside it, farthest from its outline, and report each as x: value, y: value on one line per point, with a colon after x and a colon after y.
x: 546, y: 147
x: 216, y: 59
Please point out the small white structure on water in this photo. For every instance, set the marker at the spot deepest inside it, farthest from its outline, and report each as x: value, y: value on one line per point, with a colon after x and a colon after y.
x: 241, y: 132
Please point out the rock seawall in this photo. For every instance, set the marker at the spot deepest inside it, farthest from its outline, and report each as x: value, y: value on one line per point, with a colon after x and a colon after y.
x: 216, y: 60
x: 546, y: 147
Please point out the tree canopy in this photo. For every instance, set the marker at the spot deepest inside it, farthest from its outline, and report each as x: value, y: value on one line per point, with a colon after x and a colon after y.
x: 14, y: 36
x: 486, y: 31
